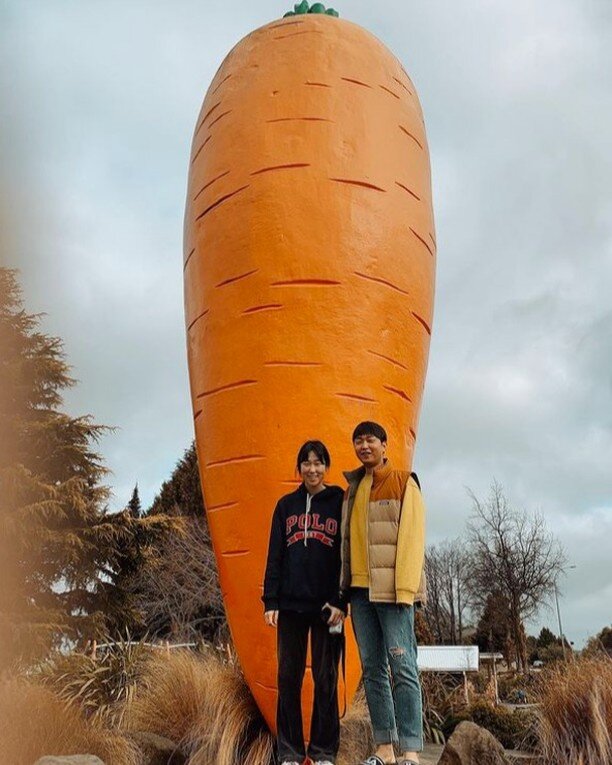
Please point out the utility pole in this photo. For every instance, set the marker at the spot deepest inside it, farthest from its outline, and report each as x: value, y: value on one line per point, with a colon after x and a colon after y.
x: 561, y: 635
x: 559, y: 620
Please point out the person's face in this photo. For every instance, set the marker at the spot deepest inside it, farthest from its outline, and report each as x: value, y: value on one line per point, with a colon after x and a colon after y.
x: 370, y: 450
x: 312, y: 471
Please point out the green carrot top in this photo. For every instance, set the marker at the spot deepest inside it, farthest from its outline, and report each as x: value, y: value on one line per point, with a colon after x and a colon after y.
x: 304, y: 7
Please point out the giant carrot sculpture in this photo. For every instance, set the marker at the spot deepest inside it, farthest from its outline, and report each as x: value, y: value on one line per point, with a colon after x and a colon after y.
x: 309, y: 280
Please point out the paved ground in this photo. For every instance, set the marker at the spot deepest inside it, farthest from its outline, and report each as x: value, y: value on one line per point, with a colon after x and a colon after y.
x: 520, y: 707
x: 432, y: 752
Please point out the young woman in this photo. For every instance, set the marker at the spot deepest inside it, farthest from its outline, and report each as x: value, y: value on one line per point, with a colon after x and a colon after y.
x: 301, y: 596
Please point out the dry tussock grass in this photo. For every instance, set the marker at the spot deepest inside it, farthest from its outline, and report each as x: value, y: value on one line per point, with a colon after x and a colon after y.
x: 204, y: 705
x: 102, y: 686
x: 231, y: 731
x: 356, y: 741
x: 171, y: 695
x: 199, y: 701
x: 576, y: 713
x: 35, y: 722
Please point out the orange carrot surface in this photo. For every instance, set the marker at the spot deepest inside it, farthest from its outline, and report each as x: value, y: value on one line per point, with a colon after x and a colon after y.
x: 309, y: 281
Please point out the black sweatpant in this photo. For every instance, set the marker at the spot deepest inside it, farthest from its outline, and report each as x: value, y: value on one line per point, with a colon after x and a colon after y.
x: 293, y: 629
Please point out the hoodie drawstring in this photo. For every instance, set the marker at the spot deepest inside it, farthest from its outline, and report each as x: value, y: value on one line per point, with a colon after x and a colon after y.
x: 308, y: 501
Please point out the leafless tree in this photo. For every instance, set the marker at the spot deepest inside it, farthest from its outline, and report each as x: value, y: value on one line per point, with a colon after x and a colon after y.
x: 447, y: 570
x: 437, y: 615
x: 177, y: 587
x: 458, y: 588
x: 512, y: 552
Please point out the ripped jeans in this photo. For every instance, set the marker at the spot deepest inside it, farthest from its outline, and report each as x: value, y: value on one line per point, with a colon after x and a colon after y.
x: 388, y: 651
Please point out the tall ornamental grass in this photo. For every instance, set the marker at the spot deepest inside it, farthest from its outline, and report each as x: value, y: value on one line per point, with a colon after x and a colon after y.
x: 576, y: 713
x: 35, y: 722
x: 204, y: 705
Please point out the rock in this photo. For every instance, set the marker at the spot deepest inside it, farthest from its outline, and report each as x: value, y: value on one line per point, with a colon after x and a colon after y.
x: 158, y: 750
x: 472, y: 745
x: 524, y: 758
x: 73, y: 759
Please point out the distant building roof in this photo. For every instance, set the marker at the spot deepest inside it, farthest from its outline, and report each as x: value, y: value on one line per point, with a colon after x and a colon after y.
x: 448, y: 658
x: 491, y: 656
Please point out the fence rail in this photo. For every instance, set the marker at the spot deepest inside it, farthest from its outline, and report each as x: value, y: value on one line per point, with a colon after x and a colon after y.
x: 92, y: 646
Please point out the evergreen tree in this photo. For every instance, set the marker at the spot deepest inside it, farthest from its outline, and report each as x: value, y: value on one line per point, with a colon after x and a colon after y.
x: 181, y: 494
x: 56, y: 535
x: 600, y: 643
x: 493, y: 630
x: 548, y: 647
x: 118, y: 585
x: 65, y: 562
x: 547, y: 638
x: 605, y: 639
x: 133, y: 506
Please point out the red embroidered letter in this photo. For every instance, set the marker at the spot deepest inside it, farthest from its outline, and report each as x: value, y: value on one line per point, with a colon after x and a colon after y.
x: 291, y: 521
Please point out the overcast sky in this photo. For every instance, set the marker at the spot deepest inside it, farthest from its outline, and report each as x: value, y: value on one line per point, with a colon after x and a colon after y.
x: 97, y: 109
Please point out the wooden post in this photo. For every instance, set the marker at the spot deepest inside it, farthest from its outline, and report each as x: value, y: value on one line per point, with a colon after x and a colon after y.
x: 495, y: 681
x: 465, y: 688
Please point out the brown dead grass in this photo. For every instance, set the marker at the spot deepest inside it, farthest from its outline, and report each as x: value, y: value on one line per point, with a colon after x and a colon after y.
x: 199, y: 701
x: 204, y: 705
x: 34, y: 722
x: 356, y: 741
x: 576, y: 713
x: 171, y: 695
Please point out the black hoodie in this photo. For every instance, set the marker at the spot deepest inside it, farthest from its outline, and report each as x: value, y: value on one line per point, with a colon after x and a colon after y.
x: 303, y: 569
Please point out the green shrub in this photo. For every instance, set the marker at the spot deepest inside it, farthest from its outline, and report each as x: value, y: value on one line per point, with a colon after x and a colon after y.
x: 442, y: 697
x: 102, y: 686
x: 480, y: 681
x: 514, y: 730
x: 510, y: 682
x: 551, y: 654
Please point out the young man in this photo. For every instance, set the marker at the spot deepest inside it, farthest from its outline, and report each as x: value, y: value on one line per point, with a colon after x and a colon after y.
x: 383, y: 550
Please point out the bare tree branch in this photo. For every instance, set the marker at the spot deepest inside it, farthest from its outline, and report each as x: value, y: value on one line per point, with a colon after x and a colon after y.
x: 448, y: 595
x: 513, y: 552
x: 177, y: 589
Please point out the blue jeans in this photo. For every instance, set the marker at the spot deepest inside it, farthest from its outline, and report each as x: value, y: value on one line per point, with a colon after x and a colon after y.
x: 388, y: 651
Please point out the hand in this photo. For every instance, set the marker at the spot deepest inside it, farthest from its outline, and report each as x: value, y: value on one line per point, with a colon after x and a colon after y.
x: 271, y: 618
x: 336, y: 616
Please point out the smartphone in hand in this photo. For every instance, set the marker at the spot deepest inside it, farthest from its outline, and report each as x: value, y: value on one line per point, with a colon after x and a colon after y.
x: 334, y: 629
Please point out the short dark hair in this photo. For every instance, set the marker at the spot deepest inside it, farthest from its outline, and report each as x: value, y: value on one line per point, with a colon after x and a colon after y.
x: 318, y: 447
x: 368, y: 428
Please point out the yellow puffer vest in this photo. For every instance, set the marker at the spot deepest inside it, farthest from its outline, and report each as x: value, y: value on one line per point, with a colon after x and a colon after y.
x: 393, y: 494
